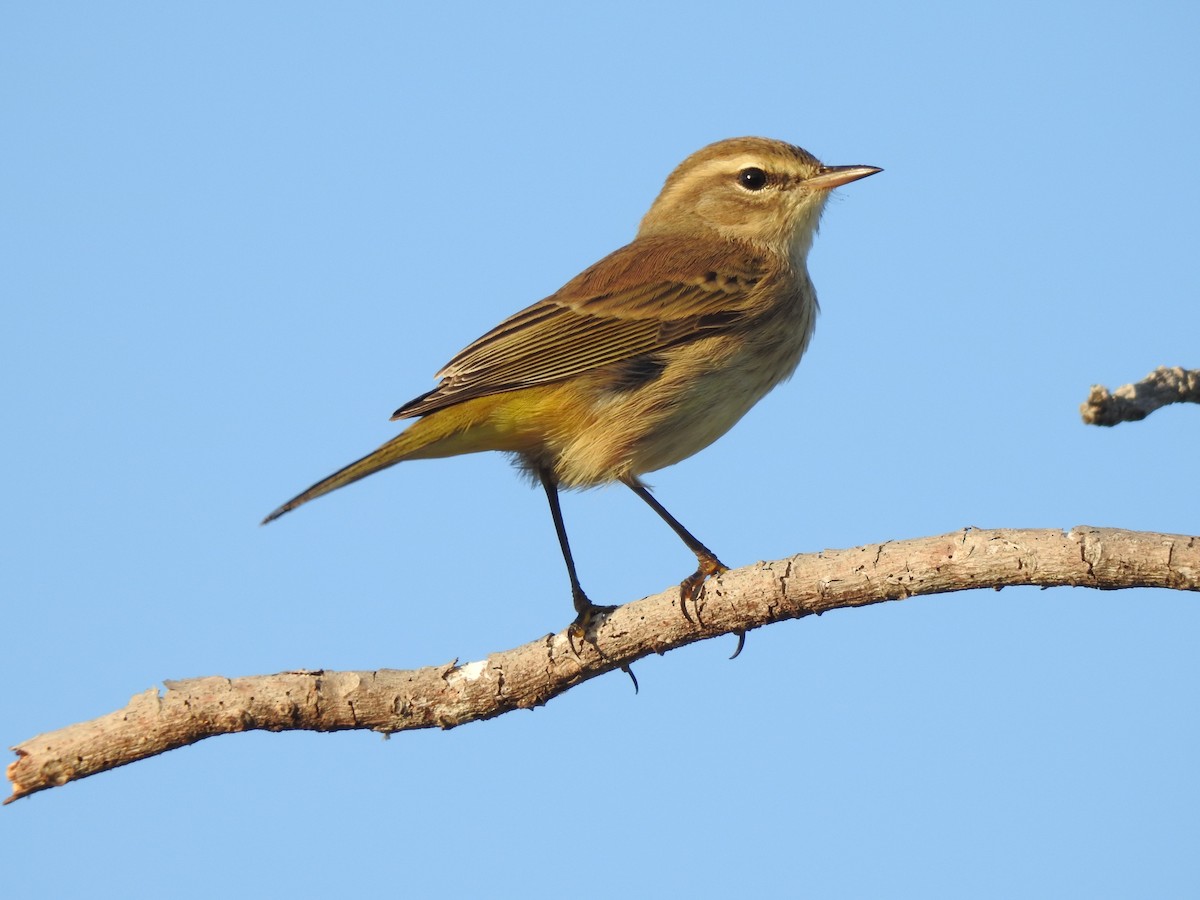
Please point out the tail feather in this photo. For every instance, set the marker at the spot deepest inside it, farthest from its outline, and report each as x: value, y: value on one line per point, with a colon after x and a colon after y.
x: 446, y: 432
x: 388, y: 455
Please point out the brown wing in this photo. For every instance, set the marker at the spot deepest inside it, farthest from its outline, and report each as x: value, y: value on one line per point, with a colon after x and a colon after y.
x: 649, y: 295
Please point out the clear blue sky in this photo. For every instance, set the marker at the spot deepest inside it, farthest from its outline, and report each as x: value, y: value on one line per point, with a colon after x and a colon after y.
x: 237, y: 235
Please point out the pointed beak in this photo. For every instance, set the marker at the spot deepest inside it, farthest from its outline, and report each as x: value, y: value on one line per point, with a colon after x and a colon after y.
x: 835, y: 176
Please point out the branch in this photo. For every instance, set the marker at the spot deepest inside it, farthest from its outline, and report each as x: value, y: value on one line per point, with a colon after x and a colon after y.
x: 1133, y: 402
x: 389, y: 700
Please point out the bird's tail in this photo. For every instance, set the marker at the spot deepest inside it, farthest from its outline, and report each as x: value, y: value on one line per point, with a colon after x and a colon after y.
x: 447, y: 432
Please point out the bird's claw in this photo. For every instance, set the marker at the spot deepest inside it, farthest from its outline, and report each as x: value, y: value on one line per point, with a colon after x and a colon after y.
x: 692, y: 587
x: 583, y: 627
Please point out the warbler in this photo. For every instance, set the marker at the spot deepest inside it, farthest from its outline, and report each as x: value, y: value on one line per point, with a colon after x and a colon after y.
x: 649, y: 355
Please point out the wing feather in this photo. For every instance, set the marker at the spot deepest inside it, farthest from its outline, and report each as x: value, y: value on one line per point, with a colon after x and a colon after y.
x: 645, y: 297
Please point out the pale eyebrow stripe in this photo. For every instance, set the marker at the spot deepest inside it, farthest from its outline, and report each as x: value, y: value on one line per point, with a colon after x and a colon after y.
x: 730, y: 164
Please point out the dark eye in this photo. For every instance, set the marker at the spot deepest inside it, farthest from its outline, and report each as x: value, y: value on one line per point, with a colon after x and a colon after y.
x: 752, y: 179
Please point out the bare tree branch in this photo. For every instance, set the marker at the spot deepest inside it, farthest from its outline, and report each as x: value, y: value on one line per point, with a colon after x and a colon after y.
x: 388, y: 700
x: 1133, y: 402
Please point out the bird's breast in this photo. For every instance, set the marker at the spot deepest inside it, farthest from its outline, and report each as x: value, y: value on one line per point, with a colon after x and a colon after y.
x: 655, y: 410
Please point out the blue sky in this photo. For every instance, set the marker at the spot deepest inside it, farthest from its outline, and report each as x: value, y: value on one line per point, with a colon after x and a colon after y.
x: 237, y: 236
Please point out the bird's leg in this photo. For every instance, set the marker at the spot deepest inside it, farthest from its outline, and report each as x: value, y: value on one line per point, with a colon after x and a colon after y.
x: 691, y: 587
x: 585, y: 609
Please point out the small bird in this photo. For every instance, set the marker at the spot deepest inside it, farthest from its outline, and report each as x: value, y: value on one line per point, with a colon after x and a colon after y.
x: 649, y: 355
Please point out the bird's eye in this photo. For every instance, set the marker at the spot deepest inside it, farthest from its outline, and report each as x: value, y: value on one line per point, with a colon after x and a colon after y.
x: 752, y: 179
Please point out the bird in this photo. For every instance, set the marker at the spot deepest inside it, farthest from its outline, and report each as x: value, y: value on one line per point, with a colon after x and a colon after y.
x: 647, y: 356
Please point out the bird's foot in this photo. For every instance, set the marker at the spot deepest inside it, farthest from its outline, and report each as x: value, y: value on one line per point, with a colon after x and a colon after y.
x: 691, y: 589
x: 588, y: 617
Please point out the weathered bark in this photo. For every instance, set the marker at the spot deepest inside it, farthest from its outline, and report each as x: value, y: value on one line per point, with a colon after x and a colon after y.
x: 388, y: 700
x: 1133, y: 402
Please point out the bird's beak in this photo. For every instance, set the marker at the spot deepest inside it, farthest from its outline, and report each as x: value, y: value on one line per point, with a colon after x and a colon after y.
x: 835, y: 176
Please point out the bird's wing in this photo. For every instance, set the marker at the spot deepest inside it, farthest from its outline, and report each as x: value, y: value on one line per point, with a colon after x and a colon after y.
x: 647, y: 296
